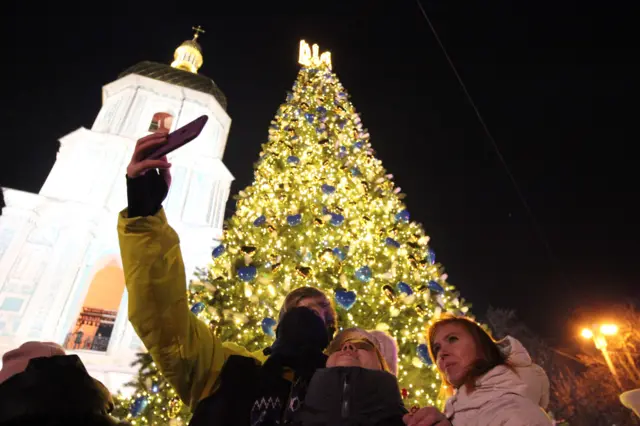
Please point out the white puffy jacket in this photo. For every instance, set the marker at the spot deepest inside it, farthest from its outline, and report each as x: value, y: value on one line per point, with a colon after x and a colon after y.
x: 507, y: 395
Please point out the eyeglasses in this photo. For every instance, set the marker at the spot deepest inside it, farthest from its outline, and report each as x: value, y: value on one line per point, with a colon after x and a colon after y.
x: 360, y: 344
x: 356, y: 343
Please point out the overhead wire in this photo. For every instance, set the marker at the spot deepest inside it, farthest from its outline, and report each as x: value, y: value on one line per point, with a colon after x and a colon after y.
x: 536, y: 225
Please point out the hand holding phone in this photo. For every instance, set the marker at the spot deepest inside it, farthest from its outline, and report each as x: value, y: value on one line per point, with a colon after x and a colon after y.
x: 151, y: 151
x: 178, y: 138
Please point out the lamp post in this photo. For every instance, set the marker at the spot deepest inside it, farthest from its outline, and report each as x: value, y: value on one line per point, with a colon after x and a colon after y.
x: 599, y: 338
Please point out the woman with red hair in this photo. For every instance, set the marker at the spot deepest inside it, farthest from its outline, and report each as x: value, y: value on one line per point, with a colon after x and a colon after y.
x: 487, y: 382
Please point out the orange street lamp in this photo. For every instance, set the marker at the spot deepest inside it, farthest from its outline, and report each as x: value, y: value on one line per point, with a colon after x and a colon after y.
x: 599, y: 338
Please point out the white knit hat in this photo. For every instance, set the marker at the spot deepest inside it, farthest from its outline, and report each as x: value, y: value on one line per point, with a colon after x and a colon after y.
x: 384, y: 343
x: 389, y: 349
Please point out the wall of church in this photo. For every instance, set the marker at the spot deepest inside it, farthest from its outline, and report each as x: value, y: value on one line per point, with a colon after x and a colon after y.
x: 114, y: 111
x: 88, y: 169
x: 55, y: 245
x: 39, y: 261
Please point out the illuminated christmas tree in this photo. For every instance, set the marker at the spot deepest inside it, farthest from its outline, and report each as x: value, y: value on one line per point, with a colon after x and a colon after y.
x: 322, y: 212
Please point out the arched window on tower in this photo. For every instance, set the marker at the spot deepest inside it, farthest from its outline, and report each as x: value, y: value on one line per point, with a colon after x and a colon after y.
x: 94, y: 324
x: 161, y: 122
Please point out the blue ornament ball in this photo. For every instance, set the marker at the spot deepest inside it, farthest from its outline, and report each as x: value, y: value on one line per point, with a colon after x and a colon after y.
x: 155, y: 387
x: 434, y: 286
x: 340, y: 254
x: 364, y: 274
x: 423, y: 354
x: 345, y: 299
x: 197, y: 307
x: 309, y: 117
x: 139, y: 405
x: 294, y: 219
x: 355, y: 171
x: 403, y: 216
x: 260, y: 221
x: 328, y: 189
x: 292, y: 159
x: 269, y: 327
x: 247, y: 273
x: 431, y: 256
x: 218, y: 251
x: 404, y: 288
x: 392, y: 243
x: 337, y: 219
x: 357, y: 145
x: 321, y: 110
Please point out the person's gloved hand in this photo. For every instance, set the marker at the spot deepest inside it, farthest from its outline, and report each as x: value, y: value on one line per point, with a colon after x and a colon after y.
x: 148, y: 181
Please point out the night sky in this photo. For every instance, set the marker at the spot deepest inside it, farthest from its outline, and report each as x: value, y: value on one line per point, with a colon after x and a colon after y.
x: 552, y: 82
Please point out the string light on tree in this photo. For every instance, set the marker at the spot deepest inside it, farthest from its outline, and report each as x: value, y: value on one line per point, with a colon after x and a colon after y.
x: 322, y: 211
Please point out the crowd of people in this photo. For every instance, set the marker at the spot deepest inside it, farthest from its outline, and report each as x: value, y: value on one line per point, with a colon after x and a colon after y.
x: 309, y: 376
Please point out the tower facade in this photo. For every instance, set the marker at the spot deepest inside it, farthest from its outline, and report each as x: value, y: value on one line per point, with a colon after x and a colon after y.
x: 61, y: 277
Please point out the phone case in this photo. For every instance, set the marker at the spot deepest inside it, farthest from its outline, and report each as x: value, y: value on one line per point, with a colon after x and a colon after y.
x: 180, y: 137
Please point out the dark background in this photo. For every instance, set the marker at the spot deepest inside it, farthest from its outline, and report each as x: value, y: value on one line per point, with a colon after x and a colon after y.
x: 552, y: 81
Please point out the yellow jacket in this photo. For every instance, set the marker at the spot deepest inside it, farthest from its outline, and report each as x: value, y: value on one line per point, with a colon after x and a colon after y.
x: 188, y: 354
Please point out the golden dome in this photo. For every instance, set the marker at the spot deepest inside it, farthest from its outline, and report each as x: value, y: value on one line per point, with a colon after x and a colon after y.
x: 188, y: 56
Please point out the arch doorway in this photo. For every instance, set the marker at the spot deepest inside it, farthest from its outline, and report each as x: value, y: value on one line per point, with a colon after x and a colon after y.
x: 94, y: 325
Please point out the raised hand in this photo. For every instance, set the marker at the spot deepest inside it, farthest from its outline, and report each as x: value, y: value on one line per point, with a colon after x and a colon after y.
x: 138, y: 165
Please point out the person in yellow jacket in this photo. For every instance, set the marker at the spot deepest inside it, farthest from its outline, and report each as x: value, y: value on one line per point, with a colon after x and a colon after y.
x: 222, y: 382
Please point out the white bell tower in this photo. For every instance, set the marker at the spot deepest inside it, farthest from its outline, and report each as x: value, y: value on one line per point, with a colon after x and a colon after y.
x: 61, y: 278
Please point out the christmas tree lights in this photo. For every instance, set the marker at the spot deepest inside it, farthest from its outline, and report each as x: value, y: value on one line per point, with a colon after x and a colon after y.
x: 323, y: 212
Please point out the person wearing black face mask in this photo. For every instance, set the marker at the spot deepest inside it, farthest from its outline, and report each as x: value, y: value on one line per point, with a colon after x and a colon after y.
x: 272, y: 393
x: 202, y: 369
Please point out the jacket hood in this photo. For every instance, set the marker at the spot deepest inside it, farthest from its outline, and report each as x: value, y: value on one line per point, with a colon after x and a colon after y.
x: 518, y: 376
x: 352, y: 396
x: 53, y: 387
x: 513, y: 351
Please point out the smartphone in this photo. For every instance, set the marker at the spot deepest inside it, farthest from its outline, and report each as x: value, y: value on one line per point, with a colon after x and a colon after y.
x: 179, y: 138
